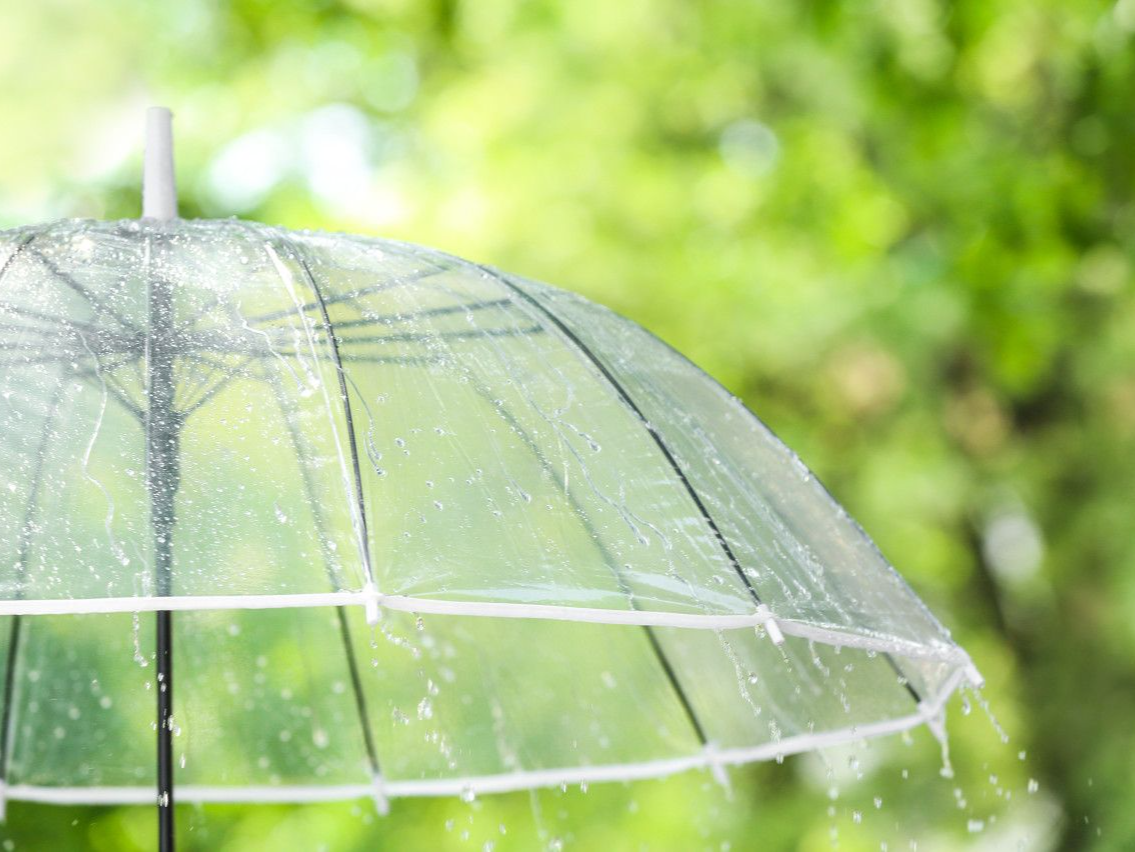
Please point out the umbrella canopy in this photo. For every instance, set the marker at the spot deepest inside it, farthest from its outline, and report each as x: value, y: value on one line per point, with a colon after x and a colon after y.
x: 435, y: 530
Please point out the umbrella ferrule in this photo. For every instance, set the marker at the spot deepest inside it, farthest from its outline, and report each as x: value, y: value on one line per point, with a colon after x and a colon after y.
x: 770, y: 625
x: 716, y: 765
x: 934, y: 719
x: 975, y: 678
x: 378, y: 793
x: 372, y: 603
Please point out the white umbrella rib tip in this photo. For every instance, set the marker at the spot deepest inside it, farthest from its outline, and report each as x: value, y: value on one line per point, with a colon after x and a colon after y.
x: 372, y: 600
x: 973, y: 674
x: 771, y: 627
x: 378, y: 794
x: 712, y: 754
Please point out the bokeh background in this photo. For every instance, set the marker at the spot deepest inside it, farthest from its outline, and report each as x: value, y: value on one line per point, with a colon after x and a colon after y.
x: 903, y: 231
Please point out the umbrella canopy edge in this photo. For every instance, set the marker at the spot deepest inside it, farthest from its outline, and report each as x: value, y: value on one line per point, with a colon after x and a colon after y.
x: 710, y: 758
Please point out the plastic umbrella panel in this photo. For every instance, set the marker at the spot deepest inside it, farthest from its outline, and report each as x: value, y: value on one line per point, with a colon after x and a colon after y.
x: 365, y: 422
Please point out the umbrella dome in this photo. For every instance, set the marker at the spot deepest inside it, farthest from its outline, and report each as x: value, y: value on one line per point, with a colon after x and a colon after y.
x: 426, y: 528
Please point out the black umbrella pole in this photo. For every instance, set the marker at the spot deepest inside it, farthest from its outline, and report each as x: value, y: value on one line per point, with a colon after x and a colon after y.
x: 164, y: 471
x: 163, y: 431
x: 165, y: 732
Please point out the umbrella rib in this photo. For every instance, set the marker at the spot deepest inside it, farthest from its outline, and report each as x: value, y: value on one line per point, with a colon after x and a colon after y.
x: 341, y: 614
x: 16, y: 631
x: 625, y: 396
x: 49, y: 334
x: 91, y: 298
x: 223, y: 383
x: 395, y: 319
x: 321, y: 303
x: 360, y: 505
x: 401, y: 360
x: 423, y: 337
x: 49, y: 318
x: 593, y: 534
x: 416, y: 337
x: 28, y: 312
x: 11, y: 259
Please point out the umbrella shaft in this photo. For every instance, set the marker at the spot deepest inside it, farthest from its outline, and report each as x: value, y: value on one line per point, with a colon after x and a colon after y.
x: 163, y: 430
x: 165, y: 732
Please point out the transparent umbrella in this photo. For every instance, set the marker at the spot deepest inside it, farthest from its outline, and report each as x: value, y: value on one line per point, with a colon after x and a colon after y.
x: 411, y: 527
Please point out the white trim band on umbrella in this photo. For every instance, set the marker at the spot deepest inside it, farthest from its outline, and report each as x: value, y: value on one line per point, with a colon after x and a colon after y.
x: 371, y: 601
x: 711, y: 758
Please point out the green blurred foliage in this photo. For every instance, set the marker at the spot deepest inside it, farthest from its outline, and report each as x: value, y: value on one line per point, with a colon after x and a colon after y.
x: 901, y: 230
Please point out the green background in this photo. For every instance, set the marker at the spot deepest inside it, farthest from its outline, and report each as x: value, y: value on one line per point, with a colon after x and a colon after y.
x: 901, y: 230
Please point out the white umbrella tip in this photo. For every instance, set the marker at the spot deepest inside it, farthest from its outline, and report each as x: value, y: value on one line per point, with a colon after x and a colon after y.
x: 159, y: 189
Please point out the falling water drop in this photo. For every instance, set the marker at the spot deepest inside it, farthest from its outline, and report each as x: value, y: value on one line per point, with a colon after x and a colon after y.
x: 984, y: 705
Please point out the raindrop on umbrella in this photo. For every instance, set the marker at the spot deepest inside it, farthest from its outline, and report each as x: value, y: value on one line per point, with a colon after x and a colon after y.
x: 537, y: 611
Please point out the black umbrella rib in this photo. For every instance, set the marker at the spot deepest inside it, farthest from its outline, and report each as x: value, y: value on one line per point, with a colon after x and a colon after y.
x: 99, y: 304
x: 28, y: 312
x: 424, y: 337
x: 16, y: 631
x: 608, y: 560
x: 346, y: 358
x: 321, y: 303
x: 222, y: 383
x: 625, y: 396
x: 344, y: 395
x: 341, y: 614
x: 11, y: 259
x: 45, y: 333
x: 446, y: 310
x: 48, y: 318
